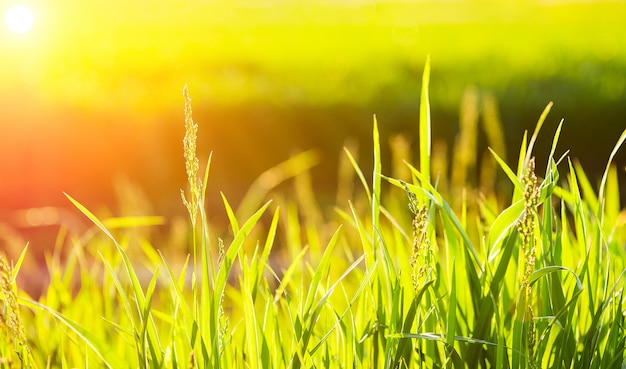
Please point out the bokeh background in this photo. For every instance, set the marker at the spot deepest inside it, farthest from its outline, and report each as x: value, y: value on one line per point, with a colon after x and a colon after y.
x: 91, y: 97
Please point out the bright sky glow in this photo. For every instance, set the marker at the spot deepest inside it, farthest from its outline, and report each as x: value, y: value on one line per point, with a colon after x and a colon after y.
x: 19, y: 18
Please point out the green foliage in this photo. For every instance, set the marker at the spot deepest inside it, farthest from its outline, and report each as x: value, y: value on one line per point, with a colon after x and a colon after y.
x: 405, y: 274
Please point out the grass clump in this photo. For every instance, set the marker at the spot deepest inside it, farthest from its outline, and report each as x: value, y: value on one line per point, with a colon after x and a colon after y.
x: 417, y: 269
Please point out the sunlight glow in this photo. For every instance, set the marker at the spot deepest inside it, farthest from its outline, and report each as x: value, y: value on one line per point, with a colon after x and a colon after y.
x: 19, y: 18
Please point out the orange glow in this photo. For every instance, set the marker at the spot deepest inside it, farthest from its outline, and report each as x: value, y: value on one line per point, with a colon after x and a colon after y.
x: 93, y: 90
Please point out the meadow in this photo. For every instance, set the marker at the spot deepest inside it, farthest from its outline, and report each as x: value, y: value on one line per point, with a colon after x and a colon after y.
x: 315, y: 71
x: 417, y: 265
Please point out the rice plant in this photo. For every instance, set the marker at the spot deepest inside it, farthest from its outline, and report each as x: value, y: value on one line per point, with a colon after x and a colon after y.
x: 417, y: 267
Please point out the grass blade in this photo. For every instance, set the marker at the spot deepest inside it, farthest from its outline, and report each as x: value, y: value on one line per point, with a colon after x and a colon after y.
x: 424, y: 124
x: 234, y: 224
x: 18, y: 264
x: 602, y: 189
x: 533, y: 138
x: 451, y: 321
x: 359, y: 172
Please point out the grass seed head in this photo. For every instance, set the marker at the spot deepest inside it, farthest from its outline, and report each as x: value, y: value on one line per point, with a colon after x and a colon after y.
x: 10, y: 316
x: 413, y: 205
x: 421, y: 255
x: 191, y: 162
x: 526, y: 227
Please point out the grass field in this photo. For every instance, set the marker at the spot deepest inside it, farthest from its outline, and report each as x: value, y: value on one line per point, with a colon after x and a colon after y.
x: 90, y: 73
x: 415, y: 267
x: 314, y: 52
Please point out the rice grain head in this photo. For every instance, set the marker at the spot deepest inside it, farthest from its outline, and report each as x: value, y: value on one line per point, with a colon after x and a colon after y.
x: 10, y: 316
x: 526, y: 227
x: 191, y: 162
x: 421, y: 260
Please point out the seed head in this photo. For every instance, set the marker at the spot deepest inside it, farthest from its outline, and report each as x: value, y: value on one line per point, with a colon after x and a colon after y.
x: 526, y: 227
x: 191, y: 162
x: 422, y: 254
x: 10, y: 315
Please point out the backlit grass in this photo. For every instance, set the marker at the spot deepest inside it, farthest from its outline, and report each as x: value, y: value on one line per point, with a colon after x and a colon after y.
x: 415, y: 267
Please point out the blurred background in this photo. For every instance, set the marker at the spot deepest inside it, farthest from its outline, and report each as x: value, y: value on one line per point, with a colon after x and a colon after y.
x: 91, y: 95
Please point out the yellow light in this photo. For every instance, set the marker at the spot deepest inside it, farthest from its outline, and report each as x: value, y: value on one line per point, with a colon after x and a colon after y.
x: 19, y: 18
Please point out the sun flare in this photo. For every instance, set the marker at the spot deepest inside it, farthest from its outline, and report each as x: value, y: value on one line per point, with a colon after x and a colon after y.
x: 19, y: 18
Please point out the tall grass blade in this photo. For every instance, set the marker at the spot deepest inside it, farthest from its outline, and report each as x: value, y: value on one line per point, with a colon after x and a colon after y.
x: 18, y: 264
x: 376, y: 181
x: 321, y: 271
x: 234, y: 224
x: 233, y: 250
x: 150, y: 342
x: 533, y: 138
x: 359, y: 173
x: 555, y: 140
x: 601, y: 197
x: 125, y: 301
x: 289, y: 273
x: 130, y: 222
x: 451, y: 318
x: 424, y: 124
x: 205, y: 181
x: 539, y: 273
x: 509, y: 173
x: 501, y: 227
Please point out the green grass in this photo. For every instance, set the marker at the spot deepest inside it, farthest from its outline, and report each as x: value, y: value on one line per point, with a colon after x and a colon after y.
x: 323, y: 53
x: 421, y: 267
